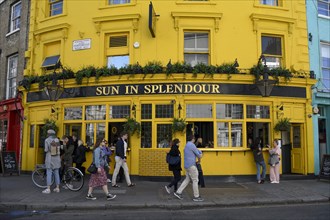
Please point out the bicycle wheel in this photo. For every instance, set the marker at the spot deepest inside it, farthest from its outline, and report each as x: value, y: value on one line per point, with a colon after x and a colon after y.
x: 73, y: 179
x: 39, y: 177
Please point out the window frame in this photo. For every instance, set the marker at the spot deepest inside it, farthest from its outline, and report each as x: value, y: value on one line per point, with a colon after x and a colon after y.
x: 51, y: 3
x: 197, y: 51
x: 13, y: 25
x: 325, y: 88
x: 280, y: 57
x: 119, y: 3
x: 327, y: 15
x: 11, y: 77
x: 276, y: 3
x: 118, y: 51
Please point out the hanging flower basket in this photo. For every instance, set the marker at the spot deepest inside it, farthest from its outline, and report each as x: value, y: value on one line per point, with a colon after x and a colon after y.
x: 49, y: 124
x: 178, y: 125
x: 283, y: 125
x: 131, y: 126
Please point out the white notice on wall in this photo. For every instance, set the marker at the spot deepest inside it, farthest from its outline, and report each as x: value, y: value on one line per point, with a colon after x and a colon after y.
x: 81, y: 44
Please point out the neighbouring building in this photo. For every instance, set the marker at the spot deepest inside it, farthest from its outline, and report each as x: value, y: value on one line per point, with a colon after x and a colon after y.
x: 318, y: 19
x: 94, y: 66
x: 13, y: 43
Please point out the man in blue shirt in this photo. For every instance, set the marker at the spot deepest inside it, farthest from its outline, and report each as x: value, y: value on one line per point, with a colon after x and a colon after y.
x: 191, y: 153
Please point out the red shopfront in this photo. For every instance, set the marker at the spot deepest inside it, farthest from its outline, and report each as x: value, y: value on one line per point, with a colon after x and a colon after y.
x: 11, y: 115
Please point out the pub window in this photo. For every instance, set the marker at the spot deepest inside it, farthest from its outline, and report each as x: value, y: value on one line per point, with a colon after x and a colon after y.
x: 55, y: 7
x: 117, y: 51
x: 146, y: 111
x: 32, y: 131
x: 118, y: 2
x: 324, y: 8
x: 258, y: 130
x: 272, y: 50
x: 164, y: 135
x: 230, y: 134
x: 164, y: 111
x: 232, y: 111
x: 199, y: 111
x: 119, y: 111
x: 95, y: 112
x: 146, y: 134
x: 257, y: 111
x: 73, y: 113
x: 196, y: 48
x: 15, y: 17
x: 12, y: 76
x: 93, y: 132
x: 203, y: 133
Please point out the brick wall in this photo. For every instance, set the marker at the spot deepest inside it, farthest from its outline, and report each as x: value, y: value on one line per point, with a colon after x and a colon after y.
x: 153, y: 162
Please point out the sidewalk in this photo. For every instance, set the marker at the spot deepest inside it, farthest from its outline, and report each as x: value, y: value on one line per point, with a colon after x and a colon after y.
x: 19, y: 193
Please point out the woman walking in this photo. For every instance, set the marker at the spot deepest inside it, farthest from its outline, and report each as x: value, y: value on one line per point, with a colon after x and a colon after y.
x: 100, y: 177
x: 274, y: 171
x: 176, y: 169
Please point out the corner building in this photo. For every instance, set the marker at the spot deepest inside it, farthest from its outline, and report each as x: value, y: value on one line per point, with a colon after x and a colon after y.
x: 222, y: 109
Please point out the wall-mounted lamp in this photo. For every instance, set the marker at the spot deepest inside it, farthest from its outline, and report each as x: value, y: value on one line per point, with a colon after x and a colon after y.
x: 310, y: 37
x: 279, y: 111
x: 54, y: 112
x: 54, y: 90
x: 134, y: 110
x: 265, y: 85
x: 179, y: 108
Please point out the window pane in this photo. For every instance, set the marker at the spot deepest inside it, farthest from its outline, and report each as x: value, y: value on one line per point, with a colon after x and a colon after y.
x: 223, y: 134
x: 232, y: 111
x: 271, y: 45
x: 146, y: 135
x: 324, y: 8
x: 11, y: 76
x: 95, y: 112
x: 32, y: 130
x: 269, y: 2
x: 199, y: 111
x: 164, y: 111
x: 196, y: 42
x: 202, y: 41
x: 119, y: 111
x: 90, y: 134
x: 257, y: 111
x: 164, y: 135
x: 236, y: 134
x: 118, y: 61
x: 189, y: 41
x: 117, y: 2
x: 73, y: 113
x: 100, y: 130
x: 258, y: 130
x: 56, y: 7
x: 146, y: 111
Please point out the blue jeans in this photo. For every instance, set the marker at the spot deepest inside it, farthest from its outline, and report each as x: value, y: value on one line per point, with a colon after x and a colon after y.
x: 49, y: 176
x: 263, y: 175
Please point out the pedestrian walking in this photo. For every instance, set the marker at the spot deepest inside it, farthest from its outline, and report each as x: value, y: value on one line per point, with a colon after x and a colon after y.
x: 107, y: 153
x: 80, y: 156
x: 99, y: 178
x: 175, y: 168
x: 52, y: 160
x: 120, y: 158
x: 275, y: 157
x: 258, y: 159
x: 191, y: 153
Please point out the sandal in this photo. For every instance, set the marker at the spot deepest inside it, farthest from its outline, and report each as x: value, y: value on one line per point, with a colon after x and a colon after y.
x: 116, y: 186
x: 132, y: 184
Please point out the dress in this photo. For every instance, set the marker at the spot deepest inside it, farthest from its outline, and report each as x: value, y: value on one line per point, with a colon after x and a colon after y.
x: 98, y: 179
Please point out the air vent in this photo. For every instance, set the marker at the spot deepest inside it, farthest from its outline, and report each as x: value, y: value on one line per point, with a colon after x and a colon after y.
x: 118, y: 41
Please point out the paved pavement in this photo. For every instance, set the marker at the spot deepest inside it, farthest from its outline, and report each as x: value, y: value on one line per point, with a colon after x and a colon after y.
x: 19, y: 193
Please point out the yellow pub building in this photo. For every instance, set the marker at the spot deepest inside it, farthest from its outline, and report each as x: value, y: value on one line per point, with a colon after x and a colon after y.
x: 161, y: 62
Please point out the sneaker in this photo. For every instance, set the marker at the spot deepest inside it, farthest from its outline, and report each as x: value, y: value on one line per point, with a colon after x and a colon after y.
x: 168, y: 190
x: 46, y: 191
x: 273, y: 181
x: 108, y: 181
x: 110, y: 196
x: 90, y: 197
x: 178, y: 195
x: 57, y: 190
x: 198, y: 199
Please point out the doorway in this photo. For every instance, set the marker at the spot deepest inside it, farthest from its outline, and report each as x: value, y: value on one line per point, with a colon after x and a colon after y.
x: 115, y: 128
x: 297, y: 153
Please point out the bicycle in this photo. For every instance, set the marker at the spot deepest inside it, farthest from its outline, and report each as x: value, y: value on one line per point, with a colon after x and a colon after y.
x: 73, y: 178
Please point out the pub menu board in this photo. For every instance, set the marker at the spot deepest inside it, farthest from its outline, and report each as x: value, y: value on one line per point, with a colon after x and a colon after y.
x: 8, y: 162
x: 325, y: 168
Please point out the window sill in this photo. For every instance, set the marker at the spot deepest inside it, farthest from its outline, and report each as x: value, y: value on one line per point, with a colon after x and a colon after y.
x: 239, y: 149
x: 195, y: 3
x: 52, y: 17
x: 10, y: 33
x: 117, y: 6
x: 323, y: 16
x: 271, y: 7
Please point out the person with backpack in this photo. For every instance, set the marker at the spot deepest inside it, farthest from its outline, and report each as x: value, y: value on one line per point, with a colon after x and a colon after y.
x: 52, y: 160
x: 68, y: 148
x: 175, y: 168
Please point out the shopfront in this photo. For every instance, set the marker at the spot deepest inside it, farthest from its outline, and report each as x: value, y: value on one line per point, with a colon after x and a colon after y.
x: 220, y: 114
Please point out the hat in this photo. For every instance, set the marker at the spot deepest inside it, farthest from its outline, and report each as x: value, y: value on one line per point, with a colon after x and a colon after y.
x: 50, y: 131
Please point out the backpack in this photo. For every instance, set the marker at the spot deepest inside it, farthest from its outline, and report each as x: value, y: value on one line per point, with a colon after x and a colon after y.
x: 54, y: 148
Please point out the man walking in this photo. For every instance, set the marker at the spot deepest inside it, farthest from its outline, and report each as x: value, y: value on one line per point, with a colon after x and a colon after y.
x: 191, y: 153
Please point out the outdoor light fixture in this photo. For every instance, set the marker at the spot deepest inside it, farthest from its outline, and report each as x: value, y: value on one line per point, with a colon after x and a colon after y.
x: 134, y: 110
x: 179, y: 108
x: 54, y: 90
x: 265, y: 85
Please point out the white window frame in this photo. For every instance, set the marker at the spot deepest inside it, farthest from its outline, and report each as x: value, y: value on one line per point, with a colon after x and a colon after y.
x: 15, y: 20
x: 52, y: 3
x: 327, y: 11
x: 197, y: 51
x: 12, y: 76
x: 325, y: 52
x: 270, y: 2
x: 118, y: 2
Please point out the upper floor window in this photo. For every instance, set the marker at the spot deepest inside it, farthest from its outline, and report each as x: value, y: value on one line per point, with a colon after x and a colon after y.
x: 117, y: 52
x: 270, y: 2
x: 119, y: 2
x: 55, y: 7
x: 15, y: 18
x: 325, y: 54
x: 196, y: 48
x: 324, y: 7
x: 12, y: 76
x: 272, y: 50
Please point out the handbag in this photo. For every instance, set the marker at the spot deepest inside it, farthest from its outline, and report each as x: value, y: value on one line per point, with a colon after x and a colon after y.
x: 92, y: 168
x: 273, y: 159
x: 172, y: 160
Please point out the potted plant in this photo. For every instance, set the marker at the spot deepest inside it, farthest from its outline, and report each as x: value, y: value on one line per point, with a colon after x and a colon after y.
x: 283, y: 125
x: 49, y: 124
x: 178, y: 125
x: 132, y: 126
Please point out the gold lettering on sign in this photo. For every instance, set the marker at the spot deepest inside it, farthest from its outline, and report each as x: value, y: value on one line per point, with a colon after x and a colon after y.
x: 130, y: 90
x: 107, y: 90
x: 215, y: 89
x: 147, y: 89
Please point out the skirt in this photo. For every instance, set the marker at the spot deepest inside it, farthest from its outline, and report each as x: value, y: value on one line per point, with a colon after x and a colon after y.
x: 98, y: 179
